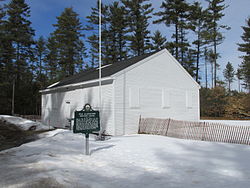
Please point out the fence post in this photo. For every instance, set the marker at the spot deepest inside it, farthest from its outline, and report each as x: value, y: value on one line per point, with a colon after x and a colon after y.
x: 203, y: 131
x: 139, y: 124
x: 167, y: 127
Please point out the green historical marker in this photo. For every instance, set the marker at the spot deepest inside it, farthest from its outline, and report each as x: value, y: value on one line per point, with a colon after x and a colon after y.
x: 86, y: 121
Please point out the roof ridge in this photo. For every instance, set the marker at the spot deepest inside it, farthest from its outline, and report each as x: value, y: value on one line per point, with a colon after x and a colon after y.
x: 93, y: 73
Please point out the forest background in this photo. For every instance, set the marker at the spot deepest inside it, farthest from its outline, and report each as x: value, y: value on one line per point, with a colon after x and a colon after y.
x: 193, y: 32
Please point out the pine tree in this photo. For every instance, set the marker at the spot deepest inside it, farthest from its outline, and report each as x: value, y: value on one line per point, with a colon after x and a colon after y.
x: 158, y: 41
x: 93, y: 51
x: 2, y: 31
x: 189, y: 59
x: 117, y: 32
x: 138, y: 13
x: 175, y: 12
x: 205, y: 66
x: 209, y: 60
x: 213, y: 102
x: 2, y: 36
x: 93, y: 39
x: 214, y: 34
x: 171, y: 47
x: 184, y: 25
x: 245, y: 48
x: 40, y: 53
x: 184, y: 43
x: 239, y: 77
x: 245, y: 68
x: 6, y: 50
x: 20, y: 35
x: 229, y: 74
x: 51, y: 60
x: 197, y: 25
x: 105, y: 42
x: 5, y: 64
x: 68, y: 36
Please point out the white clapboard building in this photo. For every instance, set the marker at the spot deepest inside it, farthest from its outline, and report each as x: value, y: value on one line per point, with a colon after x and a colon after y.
x: 152, y: 85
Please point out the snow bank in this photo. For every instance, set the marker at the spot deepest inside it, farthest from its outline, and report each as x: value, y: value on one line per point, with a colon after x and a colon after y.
x: 24, y: 124
x: 133, y: 161
x: 230, y: 122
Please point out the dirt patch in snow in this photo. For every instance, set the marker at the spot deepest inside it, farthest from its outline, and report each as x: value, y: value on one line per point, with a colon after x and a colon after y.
x: 12, y: 136
x: 43, y: 183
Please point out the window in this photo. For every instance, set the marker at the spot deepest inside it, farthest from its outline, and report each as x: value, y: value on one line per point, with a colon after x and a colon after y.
x: 166, y: 94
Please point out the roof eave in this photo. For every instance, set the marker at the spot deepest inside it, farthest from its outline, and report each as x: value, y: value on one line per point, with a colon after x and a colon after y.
x: 75, y: 85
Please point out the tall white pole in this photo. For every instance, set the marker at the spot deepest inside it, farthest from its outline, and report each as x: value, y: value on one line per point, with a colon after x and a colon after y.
x: 100, y: 61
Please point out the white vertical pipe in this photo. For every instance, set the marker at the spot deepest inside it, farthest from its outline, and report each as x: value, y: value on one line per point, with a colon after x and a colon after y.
x: 100, y: 59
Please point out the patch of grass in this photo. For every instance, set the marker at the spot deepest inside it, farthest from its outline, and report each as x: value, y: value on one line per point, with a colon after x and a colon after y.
x: 223, y: 118
x: 13, y: 136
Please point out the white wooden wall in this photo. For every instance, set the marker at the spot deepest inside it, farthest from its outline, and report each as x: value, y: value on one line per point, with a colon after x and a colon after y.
x: 156, y: 88
x: 58, y: 106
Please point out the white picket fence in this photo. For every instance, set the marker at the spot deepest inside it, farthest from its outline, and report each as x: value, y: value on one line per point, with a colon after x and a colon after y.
x: 205, y: 131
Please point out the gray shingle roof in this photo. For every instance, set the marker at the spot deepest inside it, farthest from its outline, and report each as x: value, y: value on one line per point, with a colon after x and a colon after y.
x: 93, y: 74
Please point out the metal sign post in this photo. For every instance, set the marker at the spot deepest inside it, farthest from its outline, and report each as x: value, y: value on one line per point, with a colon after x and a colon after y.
x: 86, y: 121
x: 87, y: 144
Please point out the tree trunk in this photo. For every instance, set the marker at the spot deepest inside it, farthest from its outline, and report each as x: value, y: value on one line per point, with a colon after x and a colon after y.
x: 120, y: 47
x: 40, y: 65
x: 198, y: 59
x: 215, y: 56
x: 176, y: 41
x: 212, y: 75
x: 13, y: 98
x: 215, y: 66
x: 239, y: 84
x: 206, y: 69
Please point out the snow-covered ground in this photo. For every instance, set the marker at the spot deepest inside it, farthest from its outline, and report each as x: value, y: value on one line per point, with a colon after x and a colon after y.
x: 230, y: 122
x: 146, y: 161
x: 24, y: 124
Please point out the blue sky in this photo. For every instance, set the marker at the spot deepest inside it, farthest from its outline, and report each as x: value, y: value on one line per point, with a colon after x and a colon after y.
x: 44, y: 12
